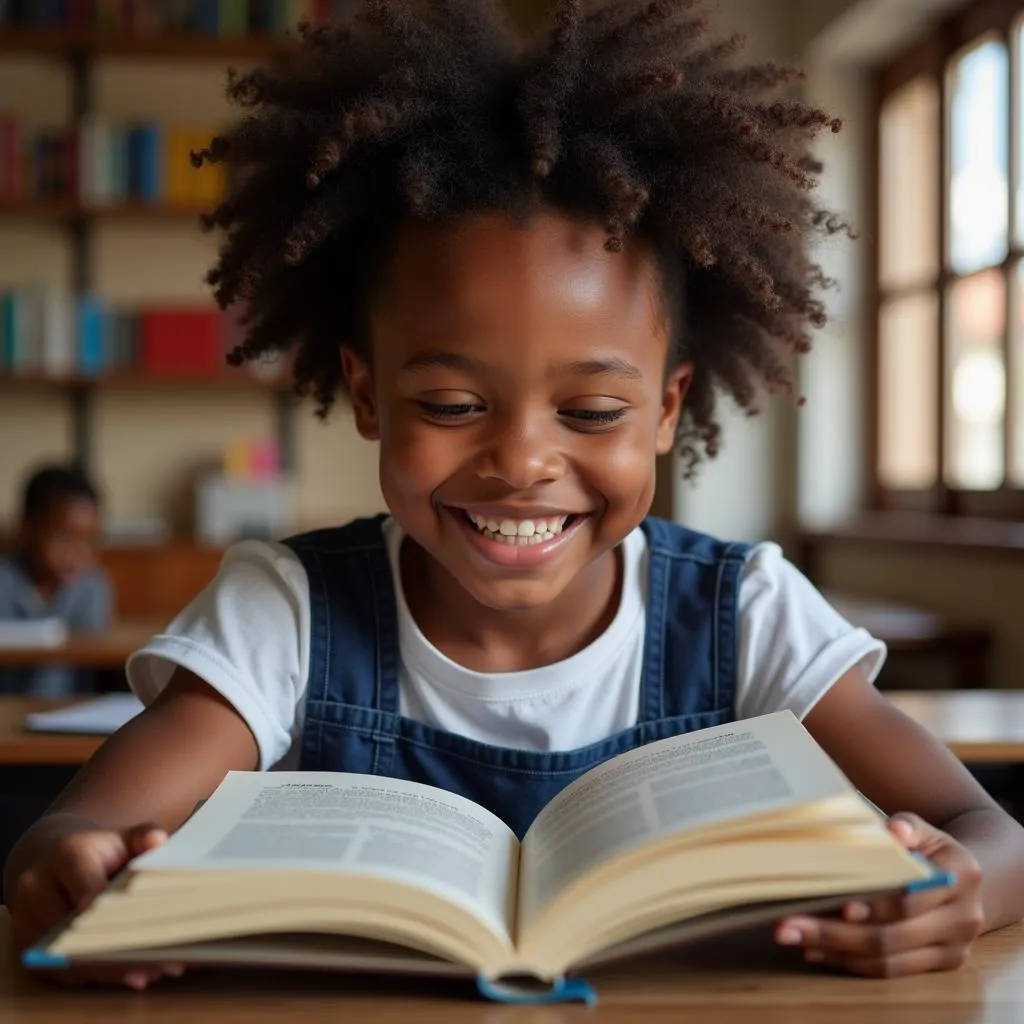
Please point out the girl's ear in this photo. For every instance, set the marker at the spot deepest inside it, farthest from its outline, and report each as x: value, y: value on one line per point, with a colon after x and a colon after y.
x: 676, y: 386
x: 361, y: 393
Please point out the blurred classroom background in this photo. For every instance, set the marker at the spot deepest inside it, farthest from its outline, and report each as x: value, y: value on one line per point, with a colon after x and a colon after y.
x: 899, y: 487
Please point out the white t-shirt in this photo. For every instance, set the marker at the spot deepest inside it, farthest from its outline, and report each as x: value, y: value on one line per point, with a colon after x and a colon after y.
x: 247, y: 635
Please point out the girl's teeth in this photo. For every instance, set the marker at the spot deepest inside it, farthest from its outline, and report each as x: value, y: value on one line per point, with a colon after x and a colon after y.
x: 519, y: 532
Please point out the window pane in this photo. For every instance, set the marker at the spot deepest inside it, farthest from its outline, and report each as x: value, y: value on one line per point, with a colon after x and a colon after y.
x: 1018, y: 54
x: 908, y: 336
x: 908, y: 183
x: 978, y: 157
x: 976, y: 397
x: 1016, y: 378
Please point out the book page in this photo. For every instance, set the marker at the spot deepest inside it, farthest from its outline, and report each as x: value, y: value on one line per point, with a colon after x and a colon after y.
x: 356, y: 824
x: 730, y: 771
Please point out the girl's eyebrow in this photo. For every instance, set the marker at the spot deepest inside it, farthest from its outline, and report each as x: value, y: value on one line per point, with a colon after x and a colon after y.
x: 614, y: 367
x: 444, y: 360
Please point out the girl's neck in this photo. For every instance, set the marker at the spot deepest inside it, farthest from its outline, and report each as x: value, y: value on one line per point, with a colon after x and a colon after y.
x: 483, y: 639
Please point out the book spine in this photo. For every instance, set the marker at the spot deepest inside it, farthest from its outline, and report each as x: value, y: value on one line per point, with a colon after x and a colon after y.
x: 58, y: 356
x: 563, y: 990
x: 90, y: 336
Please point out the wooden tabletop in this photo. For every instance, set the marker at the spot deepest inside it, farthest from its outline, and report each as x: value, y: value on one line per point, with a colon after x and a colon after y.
x: 728, y: 982
x: 20, y: 747
x: 109, y: 649
x: 979, y: 726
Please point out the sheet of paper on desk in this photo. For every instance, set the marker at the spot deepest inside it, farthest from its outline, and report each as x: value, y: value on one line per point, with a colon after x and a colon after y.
x: 99, y: 716
x: 25, y: 633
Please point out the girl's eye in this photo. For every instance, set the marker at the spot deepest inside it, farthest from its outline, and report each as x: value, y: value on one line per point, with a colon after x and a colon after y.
x: 594, y: 417
x: 439, y: 411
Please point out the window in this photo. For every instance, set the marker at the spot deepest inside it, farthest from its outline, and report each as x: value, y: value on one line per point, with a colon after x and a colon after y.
x: 948, y: 306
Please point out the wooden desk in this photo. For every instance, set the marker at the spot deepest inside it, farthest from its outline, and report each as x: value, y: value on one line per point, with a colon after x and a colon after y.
x: 734, y: 982
x: 979, y: 726
x: 20, y: 747
x: 109, y: 649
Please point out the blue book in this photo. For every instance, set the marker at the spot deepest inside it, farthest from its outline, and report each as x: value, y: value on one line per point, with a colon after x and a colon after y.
x: 688, y: 837
x: 151, y: 164
x: 91, y: 330
x: 7, y: 331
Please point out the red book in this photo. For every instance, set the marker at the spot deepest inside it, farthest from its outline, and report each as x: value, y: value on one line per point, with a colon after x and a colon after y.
x: 180, y: 342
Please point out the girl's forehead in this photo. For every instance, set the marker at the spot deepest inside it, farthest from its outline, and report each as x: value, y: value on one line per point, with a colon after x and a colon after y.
x: 478, y: 265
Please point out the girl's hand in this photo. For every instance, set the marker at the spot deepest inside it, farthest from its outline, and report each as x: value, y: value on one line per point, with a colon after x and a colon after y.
x: 903, y: 934
x: 75, y: 870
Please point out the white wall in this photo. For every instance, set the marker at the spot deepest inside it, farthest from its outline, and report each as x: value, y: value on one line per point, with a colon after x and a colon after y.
x: 747, y: 491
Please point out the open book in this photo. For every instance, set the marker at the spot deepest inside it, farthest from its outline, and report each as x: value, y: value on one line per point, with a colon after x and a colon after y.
x: 683, y: 837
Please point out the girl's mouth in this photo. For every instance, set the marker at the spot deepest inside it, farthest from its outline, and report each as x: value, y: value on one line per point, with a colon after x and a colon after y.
x: 518, y: 544
x: 520, y: 532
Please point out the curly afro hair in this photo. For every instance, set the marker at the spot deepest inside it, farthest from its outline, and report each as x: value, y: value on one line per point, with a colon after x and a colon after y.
x: 626, y: 111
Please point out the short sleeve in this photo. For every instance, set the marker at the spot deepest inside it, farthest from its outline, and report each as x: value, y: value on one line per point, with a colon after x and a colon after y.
x: 794, y: 646
x: 247, y: 636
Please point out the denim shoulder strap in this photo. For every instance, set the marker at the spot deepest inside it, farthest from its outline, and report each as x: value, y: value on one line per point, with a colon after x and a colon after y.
x: 353, y: 639
x: 692, y: 644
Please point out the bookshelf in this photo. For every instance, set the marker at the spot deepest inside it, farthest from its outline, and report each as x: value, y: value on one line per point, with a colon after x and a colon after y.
x: 78, y: 49
x: 86, y: 44
x: 70, y: 210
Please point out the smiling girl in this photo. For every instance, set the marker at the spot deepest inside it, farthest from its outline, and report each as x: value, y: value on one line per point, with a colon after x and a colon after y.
x: 532, y: 268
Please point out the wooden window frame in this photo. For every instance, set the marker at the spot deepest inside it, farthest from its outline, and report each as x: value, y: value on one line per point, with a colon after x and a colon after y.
x: 932, y: 55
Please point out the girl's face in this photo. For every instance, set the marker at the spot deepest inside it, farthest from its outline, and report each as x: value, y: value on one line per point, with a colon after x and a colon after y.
x: 518, y: 391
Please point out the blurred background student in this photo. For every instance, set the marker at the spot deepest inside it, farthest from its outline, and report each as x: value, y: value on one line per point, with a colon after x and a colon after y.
x: 52, y: 574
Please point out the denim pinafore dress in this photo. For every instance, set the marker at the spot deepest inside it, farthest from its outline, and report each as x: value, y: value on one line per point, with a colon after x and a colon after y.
x: 352, y: 722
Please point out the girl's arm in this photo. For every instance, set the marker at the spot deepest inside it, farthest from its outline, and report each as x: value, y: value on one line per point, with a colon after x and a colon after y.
x: 906, y: 772
x: 154, y: 770
x: 901, y: 767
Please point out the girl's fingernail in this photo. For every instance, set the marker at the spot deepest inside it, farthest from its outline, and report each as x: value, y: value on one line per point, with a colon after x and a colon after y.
x: 857, y: 912
x: 814, y: 956
x: 137, y: 981
x: 789, y: 937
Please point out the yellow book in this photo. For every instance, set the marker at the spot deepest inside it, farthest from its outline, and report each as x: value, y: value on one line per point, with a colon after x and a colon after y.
x: 208, y: 181
x: 179, y: 171
x: 683, y: 838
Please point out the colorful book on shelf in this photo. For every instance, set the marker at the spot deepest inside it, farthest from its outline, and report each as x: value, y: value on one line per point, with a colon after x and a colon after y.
x: 36, y: 335
x: 102, y: 163
x: 181, y: 342
x: 45, y: 331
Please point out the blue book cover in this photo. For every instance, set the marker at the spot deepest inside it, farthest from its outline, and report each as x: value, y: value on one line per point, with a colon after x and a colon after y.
x: 7, y: 331
x: 151, y: 162
x: 91, y: 342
